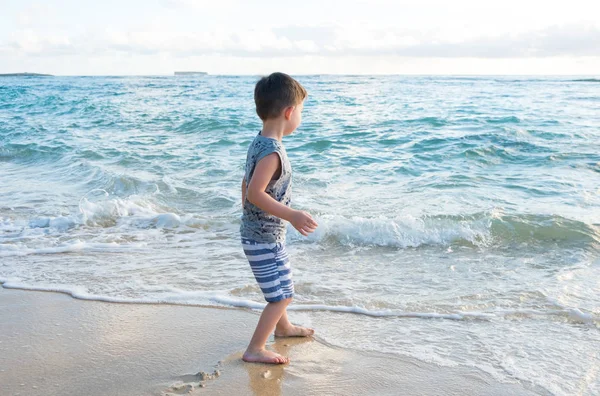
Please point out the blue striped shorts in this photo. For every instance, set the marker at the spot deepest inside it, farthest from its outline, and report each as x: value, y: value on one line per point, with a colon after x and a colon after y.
x: 271, y: 267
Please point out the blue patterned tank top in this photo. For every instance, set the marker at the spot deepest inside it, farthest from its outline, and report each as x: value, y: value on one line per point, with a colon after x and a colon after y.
x: 257, y: 224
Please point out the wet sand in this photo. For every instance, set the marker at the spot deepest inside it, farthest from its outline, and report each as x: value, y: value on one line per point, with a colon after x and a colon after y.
x: 52, y: 344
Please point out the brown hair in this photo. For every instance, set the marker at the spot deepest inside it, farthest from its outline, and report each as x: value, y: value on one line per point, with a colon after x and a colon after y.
x: 274, y: 93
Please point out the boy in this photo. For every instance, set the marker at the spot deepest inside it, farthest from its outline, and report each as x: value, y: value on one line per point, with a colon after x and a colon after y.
x: 266, y: 193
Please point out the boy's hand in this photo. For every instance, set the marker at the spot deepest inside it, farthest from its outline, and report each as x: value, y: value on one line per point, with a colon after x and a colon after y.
x: 303, y: 222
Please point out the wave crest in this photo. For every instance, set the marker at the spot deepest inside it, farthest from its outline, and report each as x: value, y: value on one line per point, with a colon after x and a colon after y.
x: 481, y: 230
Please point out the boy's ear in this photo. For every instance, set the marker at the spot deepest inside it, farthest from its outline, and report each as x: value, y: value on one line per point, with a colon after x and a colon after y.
x: 288, y: 112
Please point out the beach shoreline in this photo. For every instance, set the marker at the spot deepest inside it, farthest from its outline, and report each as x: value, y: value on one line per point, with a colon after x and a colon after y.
x: 53, y: 344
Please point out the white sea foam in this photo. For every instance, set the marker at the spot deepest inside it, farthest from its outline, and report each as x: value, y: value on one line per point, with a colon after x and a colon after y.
x: 7, y: 250
x: 107, y: 212
x: 133, y: 212
x: 123, y: 215
x: 60, y: 223
x: 402, y: 232
x: 212, y: 298
x: 575, y: 314
x: 200, y: 298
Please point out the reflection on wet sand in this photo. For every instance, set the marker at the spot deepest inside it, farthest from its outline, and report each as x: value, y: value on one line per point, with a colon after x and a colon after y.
x: 266, y: 379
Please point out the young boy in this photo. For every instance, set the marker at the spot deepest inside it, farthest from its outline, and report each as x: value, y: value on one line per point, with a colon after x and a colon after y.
x: 266, y: 193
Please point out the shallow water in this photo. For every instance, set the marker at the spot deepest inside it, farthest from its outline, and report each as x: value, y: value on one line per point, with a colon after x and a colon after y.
x: 459, y: 217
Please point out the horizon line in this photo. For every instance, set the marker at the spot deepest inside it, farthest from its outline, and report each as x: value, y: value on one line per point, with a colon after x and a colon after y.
x: 308, y: 75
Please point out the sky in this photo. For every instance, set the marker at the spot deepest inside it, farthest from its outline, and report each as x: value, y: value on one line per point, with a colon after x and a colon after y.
x: 158, y: 37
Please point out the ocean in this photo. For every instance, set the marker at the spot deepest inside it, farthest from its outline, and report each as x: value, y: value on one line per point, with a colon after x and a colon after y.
x: 459, y: 216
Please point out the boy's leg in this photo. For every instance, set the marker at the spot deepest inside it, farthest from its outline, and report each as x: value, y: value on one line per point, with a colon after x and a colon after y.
x: 285, y: 328
x: 271, y: 269
x: 270, y: 316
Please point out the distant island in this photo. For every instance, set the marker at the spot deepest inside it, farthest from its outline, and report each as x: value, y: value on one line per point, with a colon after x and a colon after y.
x: 190, y: 73
x: 25, y: 75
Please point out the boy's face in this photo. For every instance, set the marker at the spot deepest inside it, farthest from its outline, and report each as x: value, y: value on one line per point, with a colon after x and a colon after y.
x: 293, y: 116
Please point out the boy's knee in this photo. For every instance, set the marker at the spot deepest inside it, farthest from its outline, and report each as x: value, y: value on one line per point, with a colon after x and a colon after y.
x: 284, y: 301
x: 287, y: 301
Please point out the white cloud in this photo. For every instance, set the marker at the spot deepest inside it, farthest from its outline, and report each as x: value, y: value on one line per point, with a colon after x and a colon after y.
x: 35, y: 15
x: 552, y: 41
x: 29, y: 42
x: 356, y: 41
x: 320, y: 36
x: 307, y: 46
x: 202, y: 5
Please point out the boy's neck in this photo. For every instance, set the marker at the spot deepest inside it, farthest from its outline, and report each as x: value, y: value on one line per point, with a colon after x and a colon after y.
x: 273, y: 129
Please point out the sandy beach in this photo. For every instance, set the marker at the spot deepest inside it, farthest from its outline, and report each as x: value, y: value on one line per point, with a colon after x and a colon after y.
x: 53, y: 344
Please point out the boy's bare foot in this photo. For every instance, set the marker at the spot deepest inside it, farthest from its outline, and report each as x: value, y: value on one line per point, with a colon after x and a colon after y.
x: 295, y: 331
x: 264, y: 356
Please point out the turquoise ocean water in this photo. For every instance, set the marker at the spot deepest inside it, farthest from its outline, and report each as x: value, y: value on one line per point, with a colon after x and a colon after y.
x: 459, y: 216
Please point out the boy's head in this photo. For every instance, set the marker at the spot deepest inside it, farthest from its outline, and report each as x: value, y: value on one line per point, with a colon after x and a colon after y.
x: 279, y: 95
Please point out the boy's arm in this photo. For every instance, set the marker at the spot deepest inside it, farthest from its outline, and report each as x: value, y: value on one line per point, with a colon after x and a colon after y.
x: 263, y: 173
x: 243, y: 190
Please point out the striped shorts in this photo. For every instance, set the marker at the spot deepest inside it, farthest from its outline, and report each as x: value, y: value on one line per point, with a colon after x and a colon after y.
x: 271, y: 267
